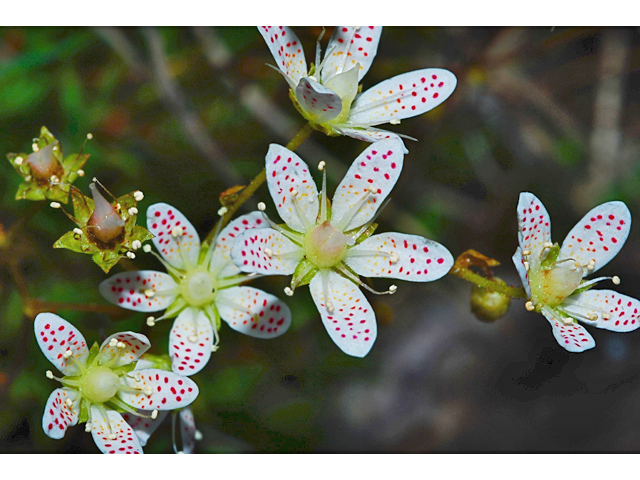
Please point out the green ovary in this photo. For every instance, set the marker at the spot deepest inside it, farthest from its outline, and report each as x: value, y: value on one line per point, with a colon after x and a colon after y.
x: 99, y: 384
x: 550, y: 286
x: 198, y: 288
x: 325, y: 245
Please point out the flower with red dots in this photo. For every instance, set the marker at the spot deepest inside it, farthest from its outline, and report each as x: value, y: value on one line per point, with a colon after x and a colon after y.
x: 327, y: 95
x: 329, y: 244
x: 200, y: 288
x: 100, y: 383
x: 552, y: 275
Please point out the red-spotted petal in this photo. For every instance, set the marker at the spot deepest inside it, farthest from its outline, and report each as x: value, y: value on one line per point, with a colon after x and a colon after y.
x: 253, y: 312
x: 418, y: 259
x: 402, y: 96
x: 352, y: 323
x: 349, y: 46
x: 132, y: 346
x: 249, y: 255
x: 534, y: 226
x: 573, y: 338
x: 143, y: 426
x: 57, y: 414
x: 126, y: 440
x: 190, y: 341
x: 55, y: 337
x: 167, y: 391
x: 599, y: 236
x: 377, y: 168
x: 614, y: 310
x: 320, y: 102
x: 286, y: 173
x: 221, y: 263
x: 187, y: 430
x: 518, y: 261
x: 286, y: 50
x: 372, y: 135
x: 131, y: 290
x: 164, y: 221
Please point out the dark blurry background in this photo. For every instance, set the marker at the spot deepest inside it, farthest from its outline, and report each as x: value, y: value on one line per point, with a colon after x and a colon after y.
x: 184, y: 113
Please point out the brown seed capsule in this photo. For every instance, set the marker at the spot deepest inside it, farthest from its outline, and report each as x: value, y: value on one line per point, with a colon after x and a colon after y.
x: 106, y: 224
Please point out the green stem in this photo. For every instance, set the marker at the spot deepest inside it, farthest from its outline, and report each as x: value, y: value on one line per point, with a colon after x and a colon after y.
x: 479, y: 280
x: 248, y: 191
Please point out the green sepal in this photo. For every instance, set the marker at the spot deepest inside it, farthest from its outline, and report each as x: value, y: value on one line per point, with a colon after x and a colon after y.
x: 552, y: 256
x: 583, y: 289
x: 302, y: 267
x: 364, y: 235
x: 46, y: 138
x: 161, y: 362
x: 124, y: 368
x: 106, y: 259
x: 93, y: 353
x: 83, y: 416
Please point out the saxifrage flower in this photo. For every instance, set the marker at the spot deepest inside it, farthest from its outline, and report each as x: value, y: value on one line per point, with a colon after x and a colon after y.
x: 552, y: 275
x: 200, y: 288
x: 329, y: 244
x: 100, y: 383
x: 327, y: 95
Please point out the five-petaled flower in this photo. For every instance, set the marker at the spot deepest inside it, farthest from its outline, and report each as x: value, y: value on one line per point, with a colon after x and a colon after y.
x: 327, y: 95
x: 328, y: 245
x: 200, y: 288
x: 552, y: 275
x: 101, y: 382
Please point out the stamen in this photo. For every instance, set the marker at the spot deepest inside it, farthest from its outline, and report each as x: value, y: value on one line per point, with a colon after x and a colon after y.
x: 198, y: 435
x: 288, y: 291
x: 88, y: 427
x: 222, y: 211
x: 28, y: 178
x: 616, y: 280
x: 80, y: 173
x: 355, y: 279
x: 321, y: 165
x: 526, y: 266
x: 54, y: 179
x: 151, y: 321
x: 330, y: 308
x: 67, y: 354
x: 547, y: 244
x: 55, y: 205
x: 18, y: 161
x: 138, y: 195
x: 529, y: 306
x: 35, y: 147
x: 146, y: 248
x: 526, y: 252
x: 568, y: 320
x: 131, y: 255
x: 77, y: 231
x: 113, y: 342
x: 89, y: 136
x: 606, y: 316
x: 305, y: 221
x: 394, y: 121
x: 344, y: 221
x: 268, y: 252
x: 133, y: 211
x: 149, y: 292
x: 394, y: 257
x: 136, y: 244
x: 154, y: 414
x: 177, y: 232
x: 148, y: 390
x: 261, y: 206
x: 49, y: 374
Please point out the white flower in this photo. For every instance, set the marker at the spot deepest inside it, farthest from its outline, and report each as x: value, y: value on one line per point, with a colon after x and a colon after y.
x: 201, y: 287
x: 329, y: 245
x: 327, y: 95
x: 552, y: 275
x: 101, y: 382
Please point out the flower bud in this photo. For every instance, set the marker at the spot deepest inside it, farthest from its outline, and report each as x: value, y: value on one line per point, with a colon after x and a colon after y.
x: 488, y: 305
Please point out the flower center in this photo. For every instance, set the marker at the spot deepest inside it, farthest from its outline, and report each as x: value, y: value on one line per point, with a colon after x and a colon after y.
x: 325, y: 245
x: 550, y: 286
x: 99, y: 384
x: 198, y: 288
x: 44, y: 164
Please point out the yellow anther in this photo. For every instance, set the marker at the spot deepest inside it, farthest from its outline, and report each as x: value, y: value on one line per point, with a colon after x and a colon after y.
x: 529, y: 306
x: 321, y: 165
x: 294, y: 193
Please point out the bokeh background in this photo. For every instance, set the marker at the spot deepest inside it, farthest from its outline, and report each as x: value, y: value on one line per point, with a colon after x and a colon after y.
x: 185, y: 113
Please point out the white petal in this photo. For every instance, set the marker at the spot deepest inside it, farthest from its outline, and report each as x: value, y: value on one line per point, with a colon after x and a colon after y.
x: 57, y: 414
x: 419, y: 259
x: 599, y: 236
x: 622, y: 313
x: 378, y: 167
x: 370, y: 135
x: 126, y: 440
x: 262, y: 316
x: 129, y: 290
x: 168, y: 390
x: 534, y: 225
x: 190, y: 341
x: 321, y: 103
x: 402, y: 96
x: 286, y: 173
x: 55, y: 337
x: 518, y: 261
x: 573, y: 338
x: 349, y: 46
x: 286, y: 50
x: 144, y: 427
x: 187, y: 430
x: 164, y: 221
x: 249, y: 255
x: 135, y: 344
x: 221, y: 262
x: 352, y: 323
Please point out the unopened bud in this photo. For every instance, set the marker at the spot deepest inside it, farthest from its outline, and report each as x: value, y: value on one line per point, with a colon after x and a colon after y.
x: 488, y: 305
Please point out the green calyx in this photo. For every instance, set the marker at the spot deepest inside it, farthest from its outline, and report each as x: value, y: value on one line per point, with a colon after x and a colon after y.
x: 46, y: 172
